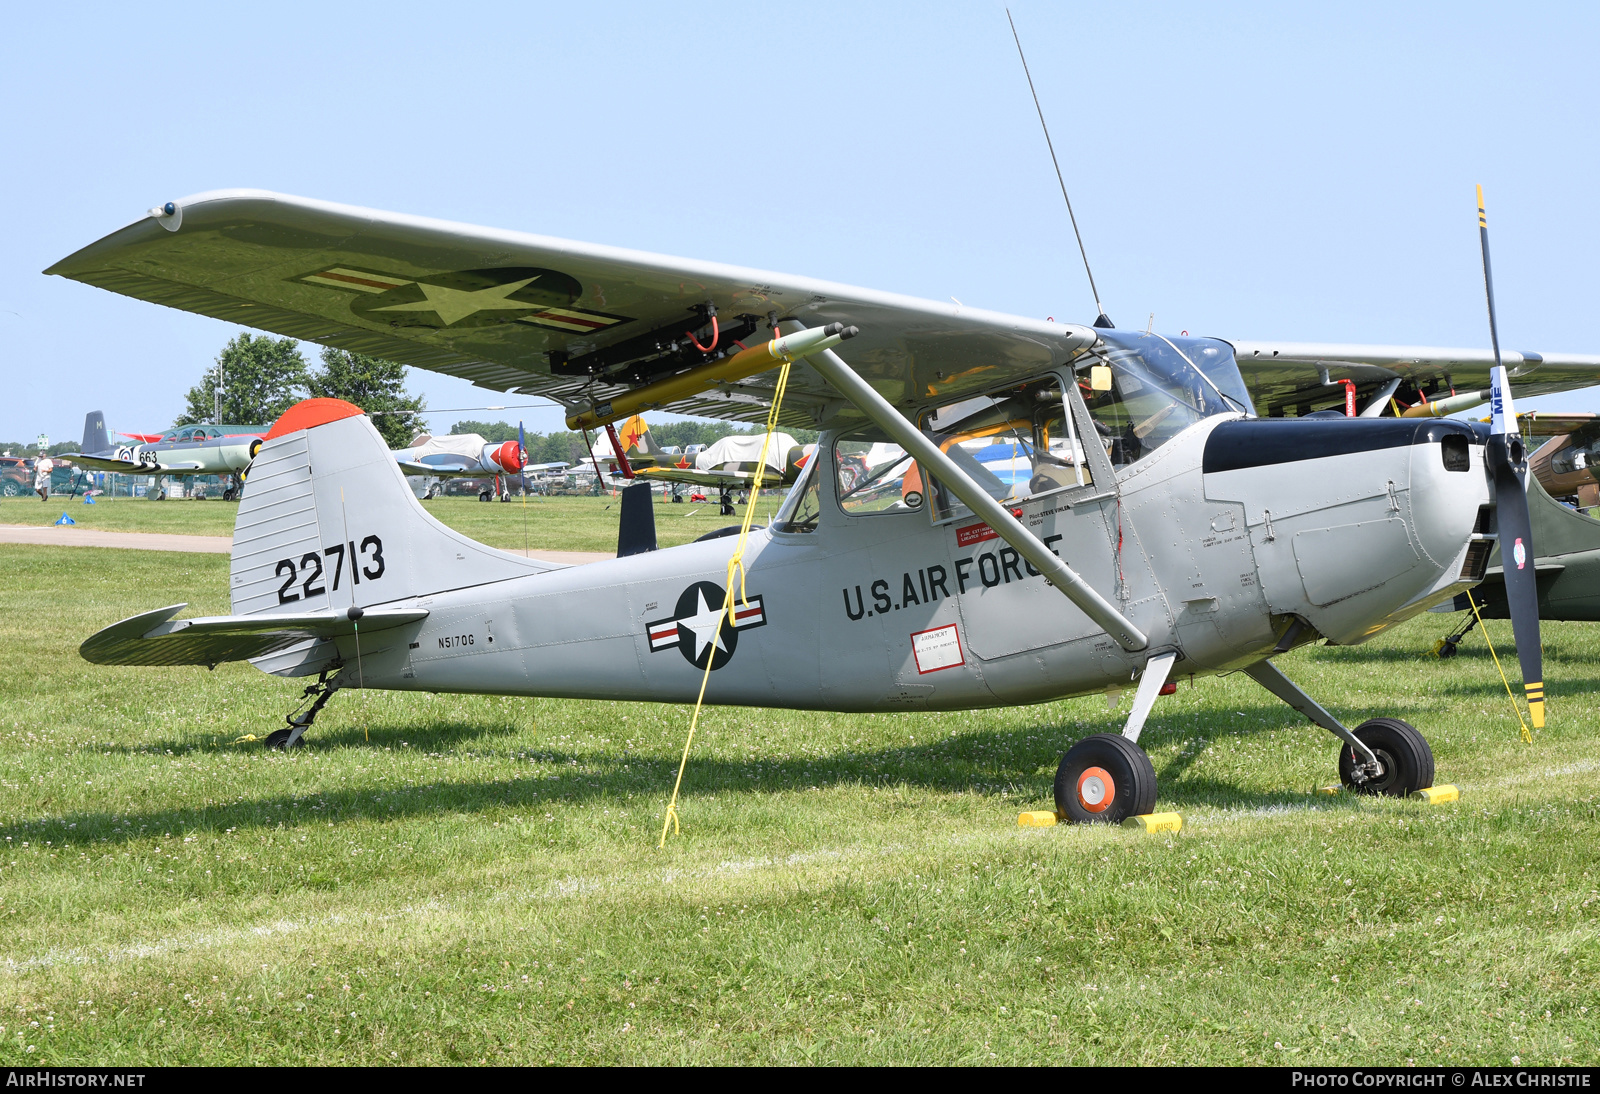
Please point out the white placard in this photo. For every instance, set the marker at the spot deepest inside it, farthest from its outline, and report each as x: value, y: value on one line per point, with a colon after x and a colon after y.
x: 937, y: 649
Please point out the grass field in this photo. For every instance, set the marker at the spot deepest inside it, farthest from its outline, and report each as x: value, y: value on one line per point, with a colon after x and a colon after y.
x: 550, y: 524
x: 462, y: 879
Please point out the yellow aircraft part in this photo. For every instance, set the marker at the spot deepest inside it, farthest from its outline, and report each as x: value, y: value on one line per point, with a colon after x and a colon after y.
x: 1037, y: 818
x: 1438, y: 795
x: 1155, y: 822
x: 744, y: 364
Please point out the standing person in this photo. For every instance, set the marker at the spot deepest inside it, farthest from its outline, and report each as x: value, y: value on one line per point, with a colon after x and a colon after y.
x: 41, y: 476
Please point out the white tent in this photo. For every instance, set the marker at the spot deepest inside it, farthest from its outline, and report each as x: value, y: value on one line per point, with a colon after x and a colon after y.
x: 745, y: 449
x: 469, y: 445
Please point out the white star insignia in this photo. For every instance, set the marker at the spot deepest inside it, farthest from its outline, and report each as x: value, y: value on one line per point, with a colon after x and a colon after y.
x: 454, y: 305
x: 706, y: 626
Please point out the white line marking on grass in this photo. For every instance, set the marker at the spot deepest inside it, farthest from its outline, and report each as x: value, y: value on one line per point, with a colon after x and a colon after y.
x: 559, y: 889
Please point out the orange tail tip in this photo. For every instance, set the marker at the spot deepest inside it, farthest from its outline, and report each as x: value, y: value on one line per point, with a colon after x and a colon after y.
x: 310, y: 413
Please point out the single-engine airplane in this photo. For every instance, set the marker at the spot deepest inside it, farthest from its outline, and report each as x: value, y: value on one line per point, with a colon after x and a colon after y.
x: 468, y: 455
x: 1162, y: 527
x: 181, y: 451
x: 728, y: 464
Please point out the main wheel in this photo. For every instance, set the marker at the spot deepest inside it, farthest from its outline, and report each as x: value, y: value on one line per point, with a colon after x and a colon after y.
x: 1105, y: 778
x: 1407, y: 760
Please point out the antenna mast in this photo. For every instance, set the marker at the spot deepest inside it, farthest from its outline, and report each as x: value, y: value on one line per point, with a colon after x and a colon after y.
x: 1101, y: 321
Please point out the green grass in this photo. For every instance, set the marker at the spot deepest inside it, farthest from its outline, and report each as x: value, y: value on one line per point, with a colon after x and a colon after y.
x: 447, y: 879
x: 552, y: 524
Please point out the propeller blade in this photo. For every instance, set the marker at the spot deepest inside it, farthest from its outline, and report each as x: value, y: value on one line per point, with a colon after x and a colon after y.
x: 1508, y: 461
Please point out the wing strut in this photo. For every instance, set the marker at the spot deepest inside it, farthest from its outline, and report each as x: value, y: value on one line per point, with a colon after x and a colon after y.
x: 909, y: 437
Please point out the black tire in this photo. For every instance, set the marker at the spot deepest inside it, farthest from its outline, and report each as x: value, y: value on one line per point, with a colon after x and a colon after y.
x: 279, y: 738
x: 1407, y: 760
x: 1447, y: 650
x: 484, y: 496
x: 13, y: 489
x: 1104, y: 762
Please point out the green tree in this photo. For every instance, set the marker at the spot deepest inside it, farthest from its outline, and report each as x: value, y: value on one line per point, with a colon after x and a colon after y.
x: 496, y: 432
x: 376, y: 386
x: 261, y: 377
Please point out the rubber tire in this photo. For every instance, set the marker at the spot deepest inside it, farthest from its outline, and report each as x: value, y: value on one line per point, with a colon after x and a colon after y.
x: 1447, y: 651
x: 484, y: 496
x: 1407, y: 759
x: 1132, y: 776
x: 277, y: 737
x: 13, y: 489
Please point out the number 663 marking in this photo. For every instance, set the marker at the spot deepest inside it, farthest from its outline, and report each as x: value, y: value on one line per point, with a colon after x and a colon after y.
x: 310, y: 565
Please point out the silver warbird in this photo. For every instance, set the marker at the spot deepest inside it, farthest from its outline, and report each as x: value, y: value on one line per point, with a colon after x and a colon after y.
x: 1160, y: 528
x: 181, y: 451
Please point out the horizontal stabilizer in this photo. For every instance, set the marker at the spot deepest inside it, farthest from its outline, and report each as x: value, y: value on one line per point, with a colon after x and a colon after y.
x: 155, y: 638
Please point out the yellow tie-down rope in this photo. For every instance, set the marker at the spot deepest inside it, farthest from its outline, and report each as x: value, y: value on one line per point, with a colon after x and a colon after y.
x: 735, y: 565
x: 1527, y: 738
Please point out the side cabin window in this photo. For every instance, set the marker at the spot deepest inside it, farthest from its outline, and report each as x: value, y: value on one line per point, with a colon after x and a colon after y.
x: 1016, y: 444
x: 875, y: 475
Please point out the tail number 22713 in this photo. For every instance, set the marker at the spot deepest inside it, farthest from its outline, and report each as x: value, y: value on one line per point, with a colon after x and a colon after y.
x: 308, y: 572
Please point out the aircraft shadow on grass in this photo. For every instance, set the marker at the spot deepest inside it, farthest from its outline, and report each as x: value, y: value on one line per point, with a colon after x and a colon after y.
x: 1472, y: 651
x: 430, y: 738
x: 995, y: 763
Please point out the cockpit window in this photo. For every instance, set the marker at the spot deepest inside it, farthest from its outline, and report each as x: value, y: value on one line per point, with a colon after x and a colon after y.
x: 1144, y: 389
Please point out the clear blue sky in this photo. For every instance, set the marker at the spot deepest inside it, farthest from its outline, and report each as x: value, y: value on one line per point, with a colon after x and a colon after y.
x: 1252, y: 171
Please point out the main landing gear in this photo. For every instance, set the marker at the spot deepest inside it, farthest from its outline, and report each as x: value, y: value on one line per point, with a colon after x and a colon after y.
x: 1108, y: 778
x: 1105, y: 778
x: 318, y: 694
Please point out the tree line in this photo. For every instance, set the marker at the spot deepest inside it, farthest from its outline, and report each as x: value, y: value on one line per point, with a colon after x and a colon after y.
x: 262, y: 376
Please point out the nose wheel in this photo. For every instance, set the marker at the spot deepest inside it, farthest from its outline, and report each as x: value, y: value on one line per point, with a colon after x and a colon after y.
x: 1105, y: 779
x: 1405, y: 762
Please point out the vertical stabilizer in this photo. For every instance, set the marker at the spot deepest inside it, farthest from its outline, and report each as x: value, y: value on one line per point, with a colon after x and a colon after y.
x: 329, y: 522
x: 94, y: 433
x: 636, y: 533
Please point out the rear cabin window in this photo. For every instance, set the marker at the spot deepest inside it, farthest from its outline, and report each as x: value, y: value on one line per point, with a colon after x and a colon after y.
x: 875, y: 475
x: 1015, y: 444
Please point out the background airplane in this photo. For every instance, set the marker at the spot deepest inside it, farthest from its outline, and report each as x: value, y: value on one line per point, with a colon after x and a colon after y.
x: 183, y: 451
x: 467, y: 455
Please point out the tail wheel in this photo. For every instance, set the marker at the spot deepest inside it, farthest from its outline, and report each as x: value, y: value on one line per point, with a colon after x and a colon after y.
x: 1105, y: 778
x: 1404, y: 753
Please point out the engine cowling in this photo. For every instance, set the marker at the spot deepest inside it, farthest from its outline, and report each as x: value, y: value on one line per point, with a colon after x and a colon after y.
x: 507, y: 457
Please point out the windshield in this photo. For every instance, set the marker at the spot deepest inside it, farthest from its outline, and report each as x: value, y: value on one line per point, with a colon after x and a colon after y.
x: 1144, y: 389
x: 800, y: 510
